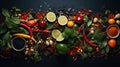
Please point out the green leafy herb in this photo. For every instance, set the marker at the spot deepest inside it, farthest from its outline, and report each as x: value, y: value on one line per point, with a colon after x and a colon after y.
x: 107, y: 12
x: 89, y: 23
x: 107, y: 49
x: 16, y: 9
x: 99, y: 35
x: 86, y: 19
x: 5, y: 12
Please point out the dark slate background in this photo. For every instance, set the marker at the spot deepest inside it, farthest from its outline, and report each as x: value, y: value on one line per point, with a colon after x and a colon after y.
x: 60, y: 61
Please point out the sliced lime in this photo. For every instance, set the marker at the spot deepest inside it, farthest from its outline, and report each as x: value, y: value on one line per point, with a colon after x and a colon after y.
x: 51, y: 17
x: 56, y: 33
x: 60, y: 38
x: 62, y: 20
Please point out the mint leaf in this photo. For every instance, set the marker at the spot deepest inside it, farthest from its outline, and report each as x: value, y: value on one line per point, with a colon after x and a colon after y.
x: 6, y: 37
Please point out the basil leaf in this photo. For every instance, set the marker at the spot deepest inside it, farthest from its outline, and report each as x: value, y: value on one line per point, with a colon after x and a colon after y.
x: 5, y: 12
x: 86, y: 19
x: 104, y: 44
x: 6, y: 37
x: 101, y: 21
x: 107, y: 49
x: 16, y: 9
x: 89, y: 23
x: 24, y: 30
x: 3, y: 29
x: 9, y: 45
x: 30, y: 17
x: 15, y: 20
x: 10, y: 23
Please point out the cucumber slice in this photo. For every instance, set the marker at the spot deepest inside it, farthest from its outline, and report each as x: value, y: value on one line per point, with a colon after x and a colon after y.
x: 51, y: 17
x: 62, y: 20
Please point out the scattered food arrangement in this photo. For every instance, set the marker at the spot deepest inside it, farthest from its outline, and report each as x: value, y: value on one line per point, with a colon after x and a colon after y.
x: 82, y: 33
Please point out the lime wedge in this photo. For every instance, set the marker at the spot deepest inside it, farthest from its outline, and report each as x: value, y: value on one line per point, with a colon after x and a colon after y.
x: 55, y: 33
x: 60, y: 38
x: 62, y: 20
x: 51, y: 17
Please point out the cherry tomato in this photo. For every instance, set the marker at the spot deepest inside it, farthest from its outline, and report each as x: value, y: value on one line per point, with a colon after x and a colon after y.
x: 42, y: 24
x: 78, y: 19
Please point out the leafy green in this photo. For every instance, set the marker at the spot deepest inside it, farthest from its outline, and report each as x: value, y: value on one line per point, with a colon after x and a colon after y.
x: 30, y: 17
x: 107, y: 49
x: 107, y: 12
x: 6, y: 36
x: 89, y: 23
x: 16, y: 9
x: 15, y: 20
x: 50, y: 25
x: 36, y: 57
x: 5, y: 12
x: 3, y: 29
x: 104, y: 43
x: 101, y: 21
x: 98, y: 35
x: 86, y: 19
x: 35, y: 46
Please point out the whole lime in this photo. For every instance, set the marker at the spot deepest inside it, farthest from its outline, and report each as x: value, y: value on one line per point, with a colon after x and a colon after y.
x: 62, y: 48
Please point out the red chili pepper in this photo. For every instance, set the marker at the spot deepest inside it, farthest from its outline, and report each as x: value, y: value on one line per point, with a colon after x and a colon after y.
x: 24, y: 16
x: 88, y: 41
x: 79, y: 29
x: 28, y: 28
x: 42, y: 31
x: 111, y: 15
x: 31, y: 22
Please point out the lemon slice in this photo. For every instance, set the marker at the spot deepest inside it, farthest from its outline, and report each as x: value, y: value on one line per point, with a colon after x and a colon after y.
x: 60, y: 38
x: 56, y: 33
x: 51, y: 17
x: 62, y: 20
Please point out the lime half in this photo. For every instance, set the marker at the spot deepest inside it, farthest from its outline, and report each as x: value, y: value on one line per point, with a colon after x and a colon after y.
x: 60, y: 38
x: 51, y: 17
x: 62, y: 20
x: 55, y: 33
